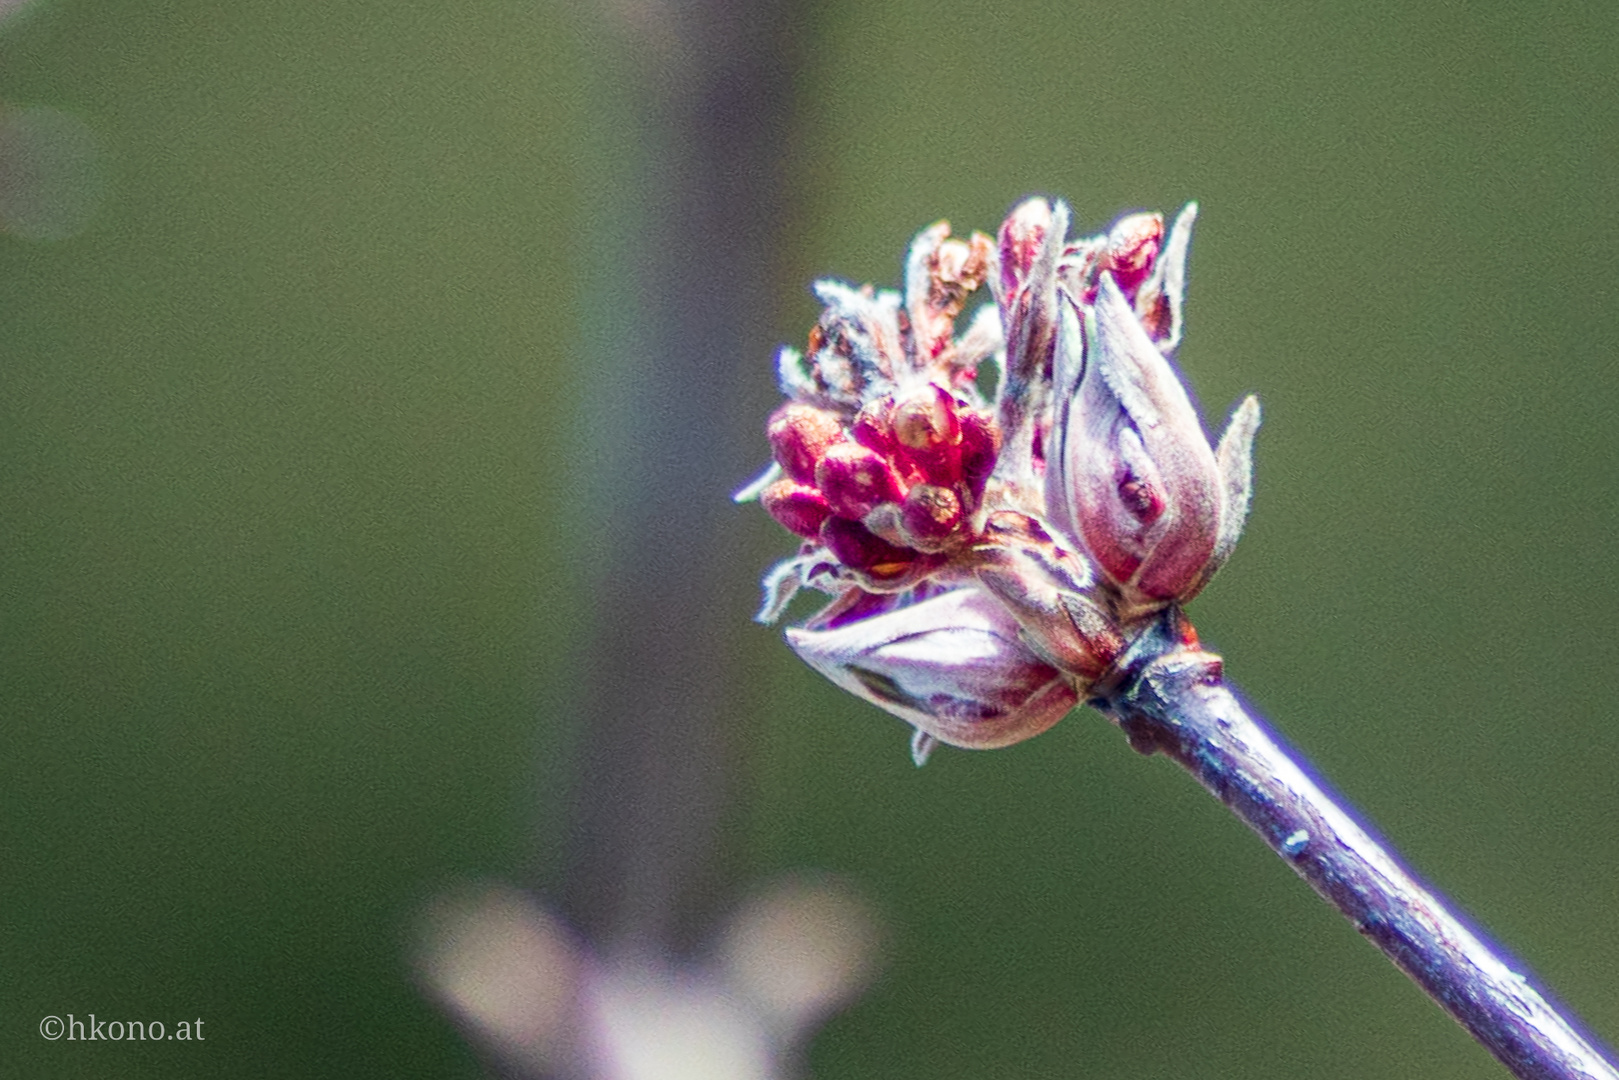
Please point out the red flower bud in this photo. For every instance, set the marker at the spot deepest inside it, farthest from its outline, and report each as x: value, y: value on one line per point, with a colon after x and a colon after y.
x: 799, y: 436
x: 980, y: 446
x: 928, y: 431
x: 930, y: 516
x: 798, y: 507
x: 855, y: 479
x: 871, y: 427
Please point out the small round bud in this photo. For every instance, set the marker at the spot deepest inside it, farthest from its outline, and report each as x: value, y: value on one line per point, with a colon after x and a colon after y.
x: 799, y: 436
x: 928, y: 432
x: 926, y: 419
x: 855, y: 479
x: 798, y: 507
x: 930, y: 516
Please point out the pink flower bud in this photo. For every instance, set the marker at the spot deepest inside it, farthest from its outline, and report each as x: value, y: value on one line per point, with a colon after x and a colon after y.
x: 799, y: 436
x: 855, y: 480
x: 1132, y: 474
x: 952, y: 666
x: 1132, y: 249
x: 1022, y: 241
x: 798, y: 507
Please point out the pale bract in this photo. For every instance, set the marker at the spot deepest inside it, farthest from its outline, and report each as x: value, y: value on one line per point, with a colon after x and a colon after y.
x: 990, y: 558
x: 954, y: 666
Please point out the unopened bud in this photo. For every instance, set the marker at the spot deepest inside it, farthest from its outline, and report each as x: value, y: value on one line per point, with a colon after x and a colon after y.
x: 926, y: 419
x: 855, y: 479
x: 798, y: 507
x: 980, y: 447
x: 1133, y: 475
x: 952, y: 666
x: 871, y: 427
x: 799, y: 436
x: 1132, y: 249
x: 930, y: 516
x: 1022, y: 241
x: 928, y: 430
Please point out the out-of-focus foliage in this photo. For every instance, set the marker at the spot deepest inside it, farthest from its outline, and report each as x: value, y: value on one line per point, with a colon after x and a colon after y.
x: 285, y: 565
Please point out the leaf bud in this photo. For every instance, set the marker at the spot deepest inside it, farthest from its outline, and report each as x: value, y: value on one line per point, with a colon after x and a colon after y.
x: 1132, y: 473
x: 953, y: 666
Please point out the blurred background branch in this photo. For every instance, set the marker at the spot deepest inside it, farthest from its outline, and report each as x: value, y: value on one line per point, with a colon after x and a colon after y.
x: 692, y: 104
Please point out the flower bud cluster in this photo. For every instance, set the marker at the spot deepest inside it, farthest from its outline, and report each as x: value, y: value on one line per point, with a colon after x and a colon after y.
x: 990, y: 560
x: 890, y: 493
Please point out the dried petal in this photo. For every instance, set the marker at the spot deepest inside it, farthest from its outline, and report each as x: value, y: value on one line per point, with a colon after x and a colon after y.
x: 939, y: 275
x: 856, y: 345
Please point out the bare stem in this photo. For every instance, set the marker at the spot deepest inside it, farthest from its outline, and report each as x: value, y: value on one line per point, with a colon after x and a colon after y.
x: 1170, y: 696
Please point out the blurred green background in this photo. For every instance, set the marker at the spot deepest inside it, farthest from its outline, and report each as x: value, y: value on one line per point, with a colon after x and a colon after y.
x: 289, y: 577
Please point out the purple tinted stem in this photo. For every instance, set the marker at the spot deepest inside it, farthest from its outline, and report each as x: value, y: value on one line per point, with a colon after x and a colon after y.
x: 1172, y: 699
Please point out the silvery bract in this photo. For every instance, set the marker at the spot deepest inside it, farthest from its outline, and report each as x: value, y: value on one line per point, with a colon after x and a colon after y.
x: 990, y: 560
